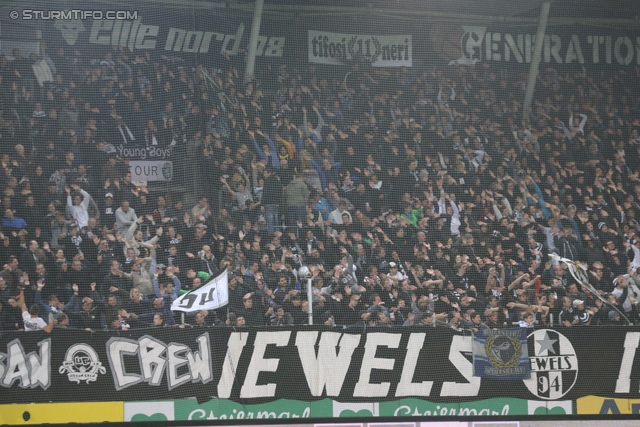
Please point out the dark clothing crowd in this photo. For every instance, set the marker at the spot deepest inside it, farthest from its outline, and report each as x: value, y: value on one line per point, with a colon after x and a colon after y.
x: 416, y: 197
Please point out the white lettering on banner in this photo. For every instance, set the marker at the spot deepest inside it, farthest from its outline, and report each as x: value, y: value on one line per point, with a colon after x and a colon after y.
x: 554, y: 365
x: 250, y: 389
x: 213, y: 294
x: 143, y: 153
x: 135, y: 35
x: 81, y: 363
x: 406, y: 411
x: 116, y: 351
x: 631, y: 342
x: 334, y: 354
x: 460, y: 345
x: 406, y: 386
x: 153, y: 364
x: 151, y: 170
x: 201, y: 414
x: 327, y: 360
x: 369, y: 362
x: 30, y: 370
x: 477, y: 44
x: 180, y: 365
x: 381, y: 51
x: 235, y: 344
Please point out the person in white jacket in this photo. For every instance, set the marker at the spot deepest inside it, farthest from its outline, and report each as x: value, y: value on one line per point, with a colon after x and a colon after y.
x: 41, y: 70
x: 134, y: 240
x: 335, y: 217
x: 78, y: 206
x: 125, y: 216
x: 454, y: 212
x: 628, y: 283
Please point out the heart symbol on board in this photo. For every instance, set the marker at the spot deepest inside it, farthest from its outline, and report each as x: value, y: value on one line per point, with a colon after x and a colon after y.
x: 556, y: 410
x: 362, y: 413
x: 152, y: 417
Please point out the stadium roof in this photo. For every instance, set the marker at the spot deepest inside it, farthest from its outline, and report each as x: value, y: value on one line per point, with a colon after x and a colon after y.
x: 592, y: 12
x: 625, y: 12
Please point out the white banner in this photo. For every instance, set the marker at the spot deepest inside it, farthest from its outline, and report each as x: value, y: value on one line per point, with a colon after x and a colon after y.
x: 151, y: 170
x: 381, y: 51
x: 213, y: 294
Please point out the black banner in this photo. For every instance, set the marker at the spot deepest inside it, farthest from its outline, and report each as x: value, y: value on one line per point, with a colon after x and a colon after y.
x: 260, y: 365
x: 141, y: 28
x: 208, y: 34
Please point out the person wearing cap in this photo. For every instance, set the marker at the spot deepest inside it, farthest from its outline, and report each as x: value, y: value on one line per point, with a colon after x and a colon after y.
x: 394, y: 275
x: 606, y: 232
x: 107, y: 210
x: 52, y: 306
x: 85, y: 313
x: 583, y: 314
x: 614, y: 318
x: 567, y: 316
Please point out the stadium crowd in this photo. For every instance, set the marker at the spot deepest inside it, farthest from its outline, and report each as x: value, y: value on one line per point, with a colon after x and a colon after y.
x: 416, y: 196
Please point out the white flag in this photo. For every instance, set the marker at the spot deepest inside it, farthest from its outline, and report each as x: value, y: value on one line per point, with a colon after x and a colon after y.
x: 213, y: 294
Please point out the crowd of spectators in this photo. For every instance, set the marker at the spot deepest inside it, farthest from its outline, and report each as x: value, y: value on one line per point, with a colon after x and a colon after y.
x: 416, y: 196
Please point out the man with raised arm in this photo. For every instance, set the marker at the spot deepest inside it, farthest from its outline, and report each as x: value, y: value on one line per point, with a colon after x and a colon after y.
x: 31, y: 317
x: 78, y: 205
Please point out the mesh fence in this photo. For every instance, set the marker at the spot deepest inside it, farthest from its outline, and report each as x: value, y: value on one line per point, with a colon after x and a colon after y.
x: 397, y: 163
x: 389, y: 153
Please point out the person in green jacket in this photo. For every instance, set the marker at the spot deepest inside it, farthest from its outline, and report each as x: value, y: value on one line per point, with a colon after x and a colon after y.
x: 412, y: 214
x: 296, y: 196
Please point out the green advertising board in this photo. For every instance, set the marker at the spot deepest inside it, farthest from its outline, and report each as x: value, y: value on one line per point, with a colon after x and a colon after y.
x: 223, y: 409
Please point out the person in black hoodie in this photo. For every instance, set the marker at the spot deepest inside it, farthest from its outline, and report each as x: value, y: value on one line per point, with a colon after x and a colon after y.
x: 567, y: 244
x: 271, y: 197
x: 347, y: 312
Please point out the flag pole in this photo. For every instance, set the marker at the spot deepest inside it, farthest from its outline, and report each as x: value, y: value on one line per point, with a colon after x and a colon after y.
x: 305, y: 273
